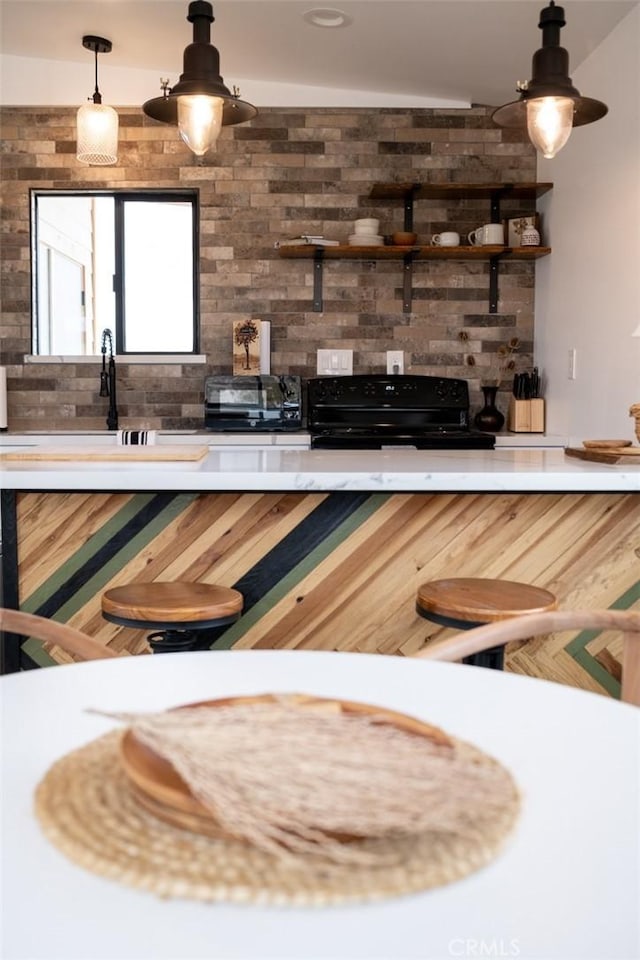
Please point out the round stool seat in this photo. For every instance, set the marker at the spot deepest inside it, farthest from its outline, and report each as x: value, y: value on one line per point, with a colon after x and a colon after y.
x: 467, y: 602
x: 180, y: 611
x: 475, y: 601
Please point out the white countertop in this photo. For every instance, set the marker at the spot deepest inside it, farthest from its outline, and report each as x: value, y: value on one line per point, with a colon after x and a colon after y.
x: 298, y: 439
x: 383, y: 471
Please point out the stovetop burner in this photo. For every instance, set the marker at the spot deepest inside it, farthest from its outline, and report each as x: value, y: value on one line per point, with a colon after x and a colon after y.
x: 374, y: 411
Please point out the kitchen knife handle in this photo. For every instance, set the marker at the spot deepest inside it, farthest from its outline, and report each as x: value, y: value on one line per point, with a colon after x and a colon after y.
x: 535, y: 383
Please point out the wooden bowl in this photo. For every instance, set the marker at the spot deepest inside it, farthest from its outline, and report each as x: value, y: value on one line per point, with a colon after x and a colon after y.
x: 162, y: 792
x: 605, y: 444
x: 402, y: 238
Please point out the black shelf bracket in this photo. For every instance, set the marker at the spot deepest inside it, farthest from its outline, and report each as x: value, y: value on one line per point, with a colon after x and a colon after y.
x: 494, y: 270
x: 408, y: 207
x: 407, y: 285
x: 495, y: 206
x: 493, y: 284
x: 318, y: 261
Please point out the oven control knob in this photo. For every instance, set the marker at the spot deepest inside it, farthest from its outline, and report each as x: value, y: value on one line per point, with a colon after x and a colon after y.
x: 446, y: 390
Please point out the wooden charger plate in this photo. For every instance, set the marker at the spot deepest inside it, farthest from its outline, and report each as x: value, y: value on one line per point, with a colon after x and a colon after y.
x: 605, y: 444
x: 163, y: 793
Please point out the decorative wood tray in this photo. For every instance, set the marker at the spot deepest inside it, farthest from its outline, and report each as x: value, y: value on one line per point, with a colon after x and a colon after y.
x: 605, y: 453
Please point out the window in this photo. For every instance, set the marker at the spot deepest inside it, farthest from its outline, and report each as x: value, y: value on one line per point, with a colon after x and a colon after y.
x: 122, y: 260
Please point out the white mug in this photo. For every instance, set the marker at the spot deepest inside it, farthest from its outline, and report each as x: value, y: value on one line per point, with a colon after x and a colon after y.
x: 489, y: 234
x: 447, y: 239
x: 493, y: 234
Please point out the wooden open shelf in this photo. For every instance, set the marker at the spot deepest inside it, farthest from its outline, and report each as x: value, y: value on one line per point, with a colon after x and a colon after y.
x: 458, y: 191
x: 408, y: 193
x: 417, y: 252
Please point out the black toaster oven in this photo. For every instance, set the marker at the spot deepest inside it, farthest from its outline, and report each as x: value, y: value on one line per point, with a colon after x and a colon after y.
x: 237, y: 403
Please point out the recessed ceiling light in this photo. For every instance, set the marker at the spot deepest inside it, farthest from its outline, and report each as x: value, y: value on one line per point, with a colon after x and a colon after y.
x: 327, y: 17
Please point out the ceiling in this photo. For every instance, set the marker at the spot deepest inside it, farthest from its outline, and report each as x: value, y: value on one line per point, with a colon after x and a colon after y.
x: 459, y: 50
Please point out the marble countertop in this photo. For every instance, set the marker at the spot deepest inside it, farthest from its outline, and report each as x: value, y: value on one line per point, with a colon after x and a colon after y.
x: 299, y: 439
x: 385, y: 471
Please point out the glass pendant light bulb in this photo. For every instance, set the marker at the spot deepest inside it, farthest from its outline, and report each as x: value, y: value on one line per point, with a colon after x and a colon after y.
x: 97, y: 134
x: 199, y: 121
x: 549, y: 123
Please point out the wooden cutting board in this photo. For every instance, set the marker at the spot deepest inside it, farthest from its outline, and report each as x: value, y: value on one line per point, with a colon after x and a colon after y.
x: 151, y: 453
x: 605, y: 454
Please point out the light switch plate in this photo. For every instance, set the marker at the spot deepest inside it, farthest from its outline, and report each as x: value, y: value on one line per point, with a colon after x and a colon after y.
x: 336, y: 363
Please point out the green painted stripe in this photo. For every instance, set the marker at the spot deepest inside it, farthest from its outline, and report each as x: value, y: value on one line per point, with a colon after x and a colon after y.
x: 97, y: 583
x: 101, y: 537
x: 38, y: 654
x: 299, y: 572
x: 577, y: 648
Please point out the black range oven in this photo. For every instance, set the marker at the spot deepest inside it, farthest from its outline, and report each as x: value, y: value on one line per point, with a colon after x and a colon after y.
x: 377, y: 411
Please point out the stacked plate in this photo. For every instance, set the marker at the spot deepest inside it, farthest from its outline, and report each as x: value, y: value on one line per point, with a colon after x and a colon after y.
x: 366, y: 233
x: 366, y: 240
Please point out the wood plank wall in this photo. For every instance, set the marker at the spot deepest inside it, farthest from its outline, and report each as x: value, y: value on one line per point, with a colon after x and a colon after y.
x: 336, y: 571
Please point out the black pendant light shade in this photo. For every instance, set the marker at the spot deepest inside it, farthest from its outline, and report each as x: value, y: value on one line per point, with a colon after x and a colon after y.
x: 200, y: 76
x: 550, y: 79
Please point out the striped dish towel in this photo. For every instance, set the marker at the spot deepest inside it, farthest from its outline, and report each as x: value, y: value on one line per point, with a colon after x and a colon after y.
x: 141, y: 437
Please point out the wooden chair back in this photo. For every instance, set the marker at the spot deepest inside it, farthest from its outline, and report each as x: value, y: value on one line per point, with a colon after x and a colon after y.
x: 50, y: 631
x: 468, y: 642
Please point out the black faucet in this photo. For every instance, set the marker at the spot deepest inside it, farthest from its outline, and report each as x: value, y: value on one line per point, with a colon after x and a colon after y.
x: 108, y: 379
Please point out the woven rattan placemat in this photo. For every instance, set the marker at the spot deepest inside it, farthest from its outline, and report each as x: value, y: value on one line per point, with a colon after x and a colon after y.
x: 87, y: 810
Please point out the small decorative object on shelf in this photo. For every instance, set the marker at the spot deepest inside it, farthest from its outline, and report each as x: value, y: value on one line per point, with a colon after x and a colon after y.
x: 515, y: 229
x: 489, y: 419
x: 530, y: 237
x: 307, y: 240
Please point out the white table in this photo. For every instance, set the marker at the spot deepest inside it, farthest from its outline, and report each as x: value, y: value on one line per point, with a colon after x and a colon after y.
x: 566, y: 886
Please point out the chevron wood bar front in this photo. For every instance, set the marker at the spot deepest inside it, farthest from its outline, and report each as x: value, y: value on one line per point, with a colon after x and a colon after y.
x: 334, y: 570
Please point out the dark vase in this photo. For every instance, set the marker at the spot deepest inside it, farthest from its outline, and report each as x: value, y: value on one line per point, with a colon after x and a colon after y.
x: 489, y: 418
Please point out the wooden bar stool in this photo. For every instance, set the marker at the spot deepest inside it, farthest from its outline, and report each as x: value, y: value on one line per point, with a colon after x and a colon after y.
x: 465, y: 603
x: 177, y: 611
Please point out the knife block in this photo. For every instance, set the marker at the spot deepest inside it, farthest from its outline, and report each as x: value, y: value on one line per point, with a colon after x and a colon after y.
x: 526, y: 416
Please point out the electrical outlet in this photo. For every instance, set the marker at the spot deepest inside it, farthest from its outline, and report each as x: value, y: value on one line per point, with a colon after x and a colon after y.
x: 336, y: 363
x: 395, y: 361
x: 571, y: 370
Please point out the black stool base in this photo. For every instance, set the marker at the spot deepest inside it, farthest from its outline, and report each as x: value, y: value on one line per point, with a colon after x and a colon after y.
x: 493, y: 658
x: 178, y: 637
x: 171, y: 641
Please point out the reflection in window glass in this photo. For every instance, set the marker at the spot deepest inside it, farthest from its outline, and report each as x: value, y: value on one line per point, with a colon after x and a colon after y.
x: 75, y: 267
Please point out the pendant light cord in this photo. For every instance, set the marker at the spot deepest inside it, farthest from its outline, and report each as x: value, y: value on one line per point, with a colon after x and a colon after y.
x: 97, y: 98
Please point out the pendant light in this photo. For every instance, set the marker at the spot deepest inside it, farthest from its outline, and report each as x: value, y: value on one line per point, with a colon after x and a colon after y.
x: 97, y: 124
x: 549, y: 105
x: 199, y: 103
